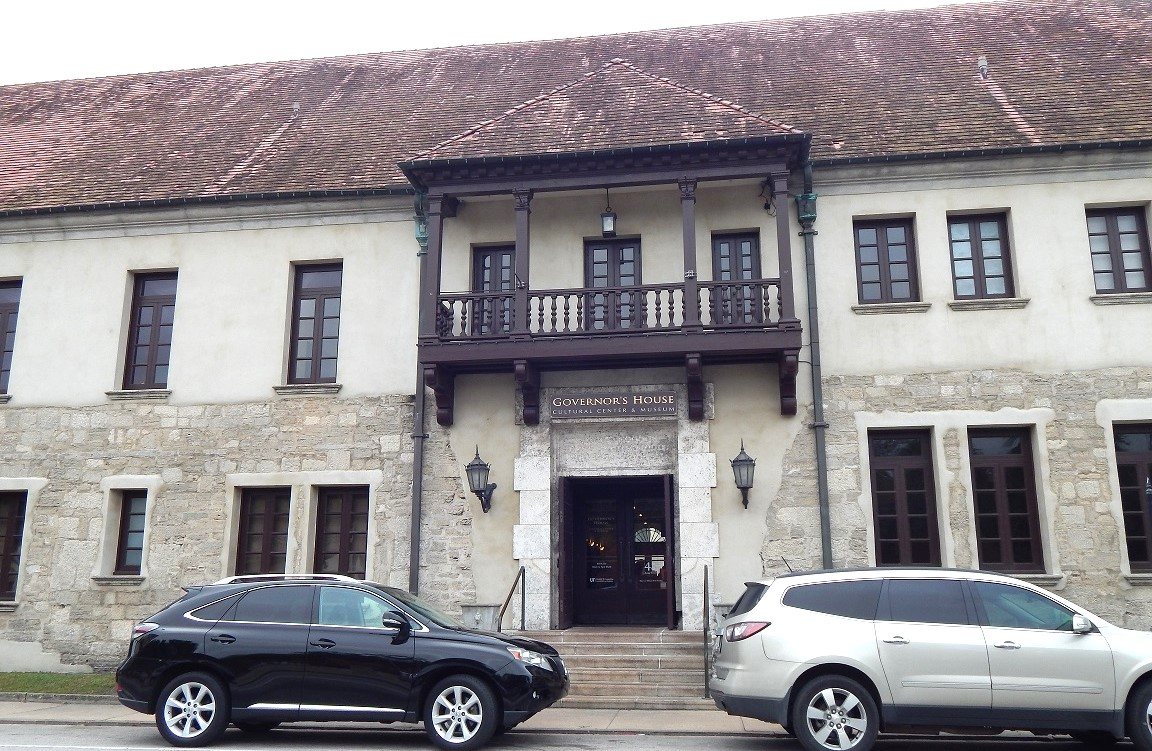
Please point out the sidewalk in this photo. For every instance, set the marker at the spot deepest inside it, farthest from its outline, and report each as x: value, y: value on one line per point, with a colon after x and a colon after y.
x: 57, y: 710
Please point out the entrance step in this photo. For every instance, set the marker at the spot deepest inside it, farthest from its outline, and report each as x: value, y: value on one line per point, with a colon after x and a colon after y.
x: 630, y: 668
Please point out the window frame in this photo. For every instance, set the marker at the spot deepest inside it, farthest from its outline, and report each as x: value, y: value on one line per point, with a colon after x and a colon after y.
x: 899, y: 465
x: 158, y: 348
x: 345, y: 536
x: 317, y: 337
x: 9, y: 313
x: 133, y: 521
x: 619, y: 306
x: 979, y: 258
x: 1133, y: 503
x: 884, y: 262
x: 736, y: 303
x: 13, y: 511
x: 1114, y: 251
x: 493, y: 272
x: 271, y: 542
x: 1000, y: 465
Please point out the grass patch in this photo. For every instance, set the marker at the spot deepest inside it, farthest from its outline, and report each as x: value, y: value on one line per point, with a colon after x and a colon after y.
x: 92, y: 684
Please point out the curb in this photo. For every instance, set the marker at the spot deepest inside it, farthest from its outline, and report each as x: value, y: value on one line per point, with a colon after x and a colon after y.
x: 59, y: 698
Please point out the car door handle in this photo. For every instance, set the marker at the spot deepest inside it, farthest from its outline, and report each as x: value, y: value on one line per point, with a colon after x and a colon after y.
x: 222, y: 639
x: 323, y: 643
x: 1007, y: 645
x: 895, y: 640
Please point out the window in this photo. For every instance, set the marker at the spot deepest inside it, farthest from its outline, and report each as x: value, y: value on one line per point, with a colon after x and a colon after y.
x: 1134, y: 469
x: 1006, y: 606
x: 9, y: 306
x: 12, y: 507
x: 903, y: 498
x: 981, y: 264
x: 263, y: 536
x: 1118, y: 241
x: 341, y: 606
x: 493, y: 271
x: 927, y: 601
x: 736, y: 257
x: 886, y: 262
x: 130, y: 542
x: 276, y: 605
x: 315, y: 324
x: 342, y: 531
x: 150, y: 331
x: 614, y: 266
x: 1003, y: 487
x: 855, y: 599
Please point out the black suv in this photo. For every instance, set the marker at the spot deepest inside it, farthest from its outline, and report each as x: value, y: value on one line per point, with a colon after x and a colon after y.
x: 257, y: 651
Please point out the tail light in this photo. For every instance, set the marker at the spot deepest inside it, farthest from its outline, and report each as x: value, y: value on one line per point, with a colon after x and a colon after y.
x: 143, y: 628
x: 738, y: 631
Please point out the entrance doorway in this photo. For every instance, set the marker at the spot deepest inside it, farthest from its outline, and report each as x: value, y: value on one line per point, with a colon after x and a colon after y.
x: 617, y: 559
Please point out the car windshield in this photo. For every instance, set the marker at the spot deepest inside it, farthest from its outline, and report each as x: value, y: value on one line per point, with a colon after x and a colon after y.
x: 419, y: 607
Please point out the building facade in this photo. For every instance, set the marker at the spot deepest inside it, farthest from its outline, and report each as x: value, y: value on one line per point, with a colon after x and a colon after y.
x: 262, y: 319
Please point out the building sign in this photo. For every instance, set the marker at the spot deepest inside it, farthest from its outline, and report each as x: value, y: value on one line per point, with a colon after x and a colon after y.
x: 614, y: 404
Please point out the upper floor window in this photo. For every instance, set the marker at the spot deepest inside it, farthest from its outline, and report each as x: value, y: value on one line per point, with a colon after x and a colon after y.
x: 493, y: 271
x: 903, y: 498
x: 9, y: 307
x: 130, y: 540
x: 1118, y: 241
x: 612, y: 266
x: 12, y: 507
x: 735, y: 258
x: 1004, y: 490
x: 342, y: 531
x: 263, y: 536
x: 150, y: 331
x: 981, y: 264
x: 1134, y: 470
x: 315, y: 323
x: 886, y: 261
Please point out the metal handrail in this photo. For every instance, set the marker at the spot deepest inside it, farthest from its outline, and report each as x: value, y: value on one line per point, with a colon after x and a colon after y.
x: 707, y: 634
x: 519, y: 581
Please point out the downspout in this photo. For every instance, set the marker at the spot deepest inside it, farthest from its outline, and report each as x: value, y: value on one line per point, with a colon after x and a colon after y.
x: 806, y: 212
x: 418, y: 407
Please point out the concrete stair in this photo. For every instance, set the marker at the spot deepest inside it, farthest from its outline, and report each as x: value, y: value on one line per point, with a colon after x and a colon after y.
x: 630, y: 667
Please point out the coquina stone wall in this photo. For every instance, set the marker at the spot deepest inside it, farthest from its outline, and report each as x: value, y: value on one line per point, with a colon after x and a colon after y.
x: 1071, y: 416
x: 193, y: 458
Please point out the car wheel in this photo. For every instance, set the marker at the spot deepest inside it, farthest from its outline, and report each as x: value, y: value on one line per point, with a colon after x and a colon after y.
x: 461, y: 713
x: 1140, y: 717
x: 833, y: 713
x: 192, y: 710
x: 257, y: 727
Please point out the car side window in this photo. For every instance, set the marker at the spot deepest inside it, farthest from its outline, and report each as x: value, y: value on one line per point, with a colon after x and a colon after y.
x: 341, y: 606
x: 1006, y: 606
x: 855, y: 599
x: 216, y: 610
x: 275, y: 605
x: 927, y: 601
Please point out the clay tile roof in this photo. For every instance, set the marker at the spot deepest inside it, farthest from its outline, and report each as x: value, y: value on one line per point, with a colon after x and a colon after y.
x: 618, y: 106
x: 883, y: 85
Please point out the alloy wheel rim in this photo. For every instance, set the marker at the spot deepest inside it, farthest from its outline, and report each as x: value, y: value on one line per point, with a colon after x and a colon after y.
x: 836, y: 719
x: 189, y: 710
x: 457, y: 714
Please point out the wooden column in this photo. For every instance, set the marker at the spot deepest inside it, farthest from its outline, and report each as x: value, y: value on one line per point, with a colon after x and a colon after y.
x: 691, y: 289
x: 788, y: 319
x: 430, y: 281
x: 523, y: 199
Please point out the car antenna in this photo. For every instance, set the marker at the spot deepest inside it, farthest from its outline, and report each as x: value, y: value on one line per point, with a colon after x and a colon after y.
x: 786, y: 564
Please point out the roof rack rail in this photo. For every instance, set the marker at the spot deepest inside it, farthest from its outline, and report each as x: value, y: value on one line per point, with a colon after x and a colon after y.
x: 284, y: 577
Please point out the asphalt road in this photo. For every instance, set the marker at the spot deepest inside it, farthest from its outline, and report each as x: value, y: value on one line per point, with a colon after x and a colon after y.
x: 38, y: 737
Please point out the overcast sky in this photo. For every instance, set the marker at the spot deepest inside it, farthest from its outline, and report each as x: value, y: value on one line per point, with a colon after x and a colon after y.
x: 57, y: 39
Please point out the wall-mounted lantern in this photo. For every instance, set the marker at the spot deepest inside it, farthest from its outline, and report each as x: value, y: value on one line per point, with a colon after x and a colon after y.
x: 477, y: 470
x: 743, y: 469
x: 608, y: 218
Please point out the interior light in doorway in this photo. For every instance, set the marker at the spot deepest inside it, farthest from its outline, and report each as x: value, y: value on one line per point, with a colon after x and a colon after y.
x: 743, y: 468
x: 608, y: 217
x: 477, y: 470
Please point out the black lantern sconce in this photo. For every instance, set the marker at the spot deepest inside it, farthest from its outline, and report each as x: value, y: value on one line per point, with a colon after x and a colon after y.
x: 743, y: 469
x: 608, y: 218
x: 477, y: 470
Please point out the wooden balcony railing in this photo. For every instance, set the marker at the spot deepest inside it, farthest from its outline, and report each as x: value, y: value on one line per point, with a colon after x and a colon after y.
x: 478, y: 316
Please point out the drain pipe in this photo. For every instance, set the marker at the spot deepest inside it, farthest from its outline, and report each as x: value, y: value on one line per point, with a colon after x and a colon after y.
x: 806, y: 213
x: 418, y: 407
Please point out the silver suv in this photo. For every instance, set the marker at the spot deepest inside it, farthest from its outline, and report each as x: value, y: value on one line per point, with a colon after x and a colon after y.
x: 838, y: 656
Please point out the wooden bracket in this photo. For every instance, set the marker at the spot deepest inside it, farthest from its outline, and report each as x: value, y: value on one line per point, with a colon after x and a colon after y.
x: 789, y: 365
x: 694, y: 377
x: 442, y: 381
x: 528, y: 381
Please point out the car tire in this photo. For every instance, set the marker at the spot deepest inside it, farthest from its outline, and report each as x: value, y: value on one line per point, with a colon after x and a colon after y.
x: 461, y: 713
x: 257, y: 728
x: 835, y: 713
x: 192, y: 710
x: 1139, y: 720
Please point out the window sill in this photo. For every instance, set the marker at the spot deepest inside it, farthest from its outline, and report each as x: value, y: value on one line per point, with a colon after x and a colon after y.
x: 992, y: 303
x: 118, y: 581
x: 131, y: 395
x: 4, y: 398
x: 891, y: 307
x: 8, y: 606
x: 1122, y: 298
x: 1049, y: 581
x: 1139, y: 580
x: 306, y: 389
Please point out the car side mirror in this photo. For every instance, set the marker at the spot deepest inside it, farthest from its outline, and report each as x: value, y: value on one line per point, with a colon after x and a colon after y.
x: 1081, y: 625
x: 398, y: 622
